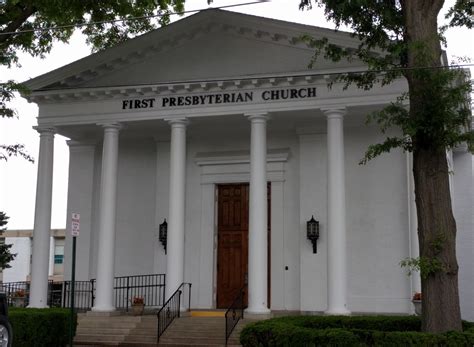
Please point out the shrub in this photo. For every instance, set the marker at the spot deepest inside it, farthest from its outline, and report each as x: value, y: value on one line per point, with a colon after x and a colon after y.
x: 350, y: 331
x: 40, y: 327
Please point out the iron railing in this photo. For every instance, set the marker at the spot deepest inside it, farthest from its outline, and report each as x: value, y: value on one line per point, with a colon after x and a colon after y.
x: 234, y: 313
x: 150, y: 287
x: 171, y: 309
x: 84, y: 294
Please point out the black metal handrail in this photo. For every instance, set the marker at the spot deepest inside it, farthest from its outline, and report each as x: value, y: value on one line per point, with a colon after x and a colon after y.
x: 171, y: 309
x: 237, y: 310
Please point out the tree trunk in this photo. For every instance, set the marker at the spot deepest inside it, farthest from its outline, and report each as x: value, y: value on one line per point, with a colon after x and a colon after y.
x: 436, y: 224
x: 437, y: 240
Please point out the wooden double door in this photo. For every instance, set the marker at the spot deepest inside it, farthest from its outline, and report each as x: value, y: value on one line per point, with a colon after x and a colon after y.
x: 232, y: 234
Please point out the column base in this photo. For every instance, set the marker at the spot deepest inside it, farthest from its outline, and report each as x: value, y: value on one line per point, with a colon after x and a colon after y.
x: 257, y: 313
x: 103, y: 309
x: 337, y: 312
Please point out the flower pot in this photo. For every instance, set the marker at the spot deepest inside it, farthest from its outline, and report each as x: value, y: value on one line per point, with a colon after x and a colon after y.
x: 137, y: 309
x: 18, y: 302
x: 417, y: 304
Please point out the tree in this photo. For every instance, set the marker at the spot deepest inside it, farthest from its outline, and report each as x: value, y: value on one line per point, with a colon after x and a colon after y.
x: 401, y: 38
x: 33, y: 26
x: 5, y: 256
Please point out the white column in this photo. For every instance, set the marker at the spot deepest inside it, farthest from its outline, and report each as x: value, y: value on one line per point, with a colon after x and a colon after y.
x: 257, y: 267
x: 337, y: 274
x: 52, y: 245
x: 107, y: 211
x: 175, y: 243
x: 42, y: 225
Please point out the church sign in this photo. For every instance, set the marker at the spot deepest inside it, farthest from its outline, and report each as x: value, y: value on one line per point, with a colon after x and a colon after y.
x: 220, y: 98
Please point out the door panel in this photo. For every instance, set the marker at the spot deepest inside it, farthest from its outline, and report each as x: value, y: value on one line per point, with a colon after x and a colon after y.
x: 232, y: 254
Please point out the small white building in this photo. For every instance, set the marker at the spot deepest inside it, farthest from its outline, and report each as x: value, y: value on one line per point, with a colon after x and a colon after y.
x: 216, y: 123
x: 20, y: 266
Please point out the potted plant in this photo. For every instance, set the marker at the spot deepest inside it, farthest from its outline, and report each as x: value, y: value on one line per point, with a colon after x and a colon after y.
x: 18, y: 298
x: 416, y: 300
x: 138, y: 305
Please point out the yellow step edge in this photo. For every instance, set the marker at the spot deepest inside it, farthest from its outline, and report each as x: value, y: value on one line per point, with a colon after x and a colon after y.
x: 207, y: 313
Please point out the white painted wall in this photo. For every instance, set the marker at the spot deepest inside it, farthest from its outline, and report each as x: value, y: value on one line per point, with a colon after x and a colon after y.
x: 20, y: 266
x: 463, y: 212
x: 376, y: 215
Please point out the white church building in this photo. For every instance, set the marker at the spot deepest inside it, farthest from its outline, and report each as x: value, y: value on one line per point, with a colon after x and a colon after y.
x: 216, y: 124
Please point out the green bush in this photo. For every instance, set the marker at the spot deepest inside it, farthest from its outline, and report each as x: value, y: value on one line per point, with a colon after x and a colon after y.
x: 350, y: 331
x: 34, y: 327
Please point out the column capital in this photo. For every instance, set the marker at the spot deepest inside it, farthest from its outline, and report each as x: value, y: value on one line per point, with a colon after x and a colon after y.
x: 182, y: 121
x: 47, y: 131
x: 334, y: 112
x: 111, y: 126
x: 257, y: 116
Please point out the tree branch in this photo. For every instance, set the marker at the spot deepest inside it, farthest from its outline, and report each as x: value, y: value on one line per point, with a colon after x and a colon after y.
x: 17, y: 23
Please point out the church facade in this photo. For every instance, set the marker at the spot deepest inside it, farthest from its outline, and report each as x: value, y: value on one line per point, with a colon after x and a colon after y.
x: 216, y: 125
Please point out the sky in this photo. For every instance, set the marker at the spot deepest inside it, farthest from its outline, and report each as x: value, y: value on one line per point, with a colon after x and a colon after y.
x: 18, y: 177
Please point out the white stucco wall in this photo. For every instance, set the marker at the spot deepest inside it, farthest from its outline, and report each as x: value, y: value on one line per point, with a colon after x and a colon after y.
x: 463, y: 212
x: 376, y: 215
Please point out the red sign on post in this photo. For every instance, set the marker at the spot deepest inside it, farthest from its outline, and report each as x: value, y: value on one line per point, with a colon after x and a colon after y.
x: 75, y: 224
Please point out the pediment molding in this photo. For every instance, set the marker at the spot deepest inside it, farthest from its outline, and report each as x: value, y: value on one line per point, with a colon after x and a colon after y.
x: 179, y: 33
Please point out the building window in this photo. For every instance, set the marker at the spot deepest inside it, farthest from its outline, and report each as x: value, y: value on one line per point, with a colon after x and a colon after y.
x: 58, y: 258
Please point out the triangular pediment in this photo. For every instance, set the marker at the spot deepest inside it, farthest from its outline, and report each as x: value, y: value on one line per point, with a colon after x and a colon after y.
x: 211, y: 45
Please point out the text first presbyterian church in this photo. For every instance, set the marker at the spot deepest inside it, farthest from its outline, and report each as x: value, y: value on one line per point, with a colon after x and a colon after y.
x: 216, y: 124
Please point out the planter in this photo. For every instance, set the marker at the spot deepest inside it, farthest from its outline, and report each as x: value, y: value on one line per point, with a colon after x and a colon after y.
x: 18, y: 302
x: 417, y: 304
x: 137, y: 309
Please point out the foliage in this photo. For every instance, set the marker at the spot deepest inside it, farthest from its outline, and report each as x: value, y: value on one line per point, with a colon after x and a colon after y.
x: 380, y: 27
x: 400, y: 39
x: 5, y: 256
x: 48, y: 327
x: 33, y: 26
x: 349, y: 331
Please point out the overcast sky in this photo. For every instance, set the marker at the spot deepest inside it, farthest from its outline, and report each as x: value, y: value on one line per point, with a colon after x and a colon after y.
x: 18, y: 177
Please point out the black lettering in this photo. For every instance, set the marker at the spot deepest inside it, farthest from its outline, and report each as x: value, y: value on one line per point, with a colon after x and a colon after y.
x: 172, y: 101
x: 124, y: 104
x: 275, y: 95
x: 165, y: 102
x: 210, y: 98
x: 265, y: 95
x: 136, y: 104
x: 312, y: 92
x: 240, y: 98
x: 195, y: 100
x: 180, y: 101
x: 202, y: 99
x: 218, y: 98
x: 188, y: 101
x: 151, y: 102
x: 248, y: 96
x: 226, y: 98
x: 284, y: 94
x: 301, y: 94
x: 294, y: 93
x: 144, y: 103
x: 233, y: 97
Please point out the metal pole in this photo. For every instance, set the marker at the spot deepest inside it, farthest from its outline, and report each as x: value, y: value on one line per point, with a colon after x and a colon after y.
x: 73, y: 287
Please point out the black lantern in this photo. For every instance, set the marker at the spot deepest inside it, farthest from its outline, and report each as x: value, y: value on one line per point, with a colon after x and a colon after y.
x: 312, y: 232
x: 163, y: 235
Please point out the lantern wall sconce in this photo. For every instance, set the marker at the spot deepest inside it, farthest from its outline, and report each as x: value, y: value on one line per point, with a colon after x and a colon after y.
x: 312, y: 232
x: 163, y: 234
